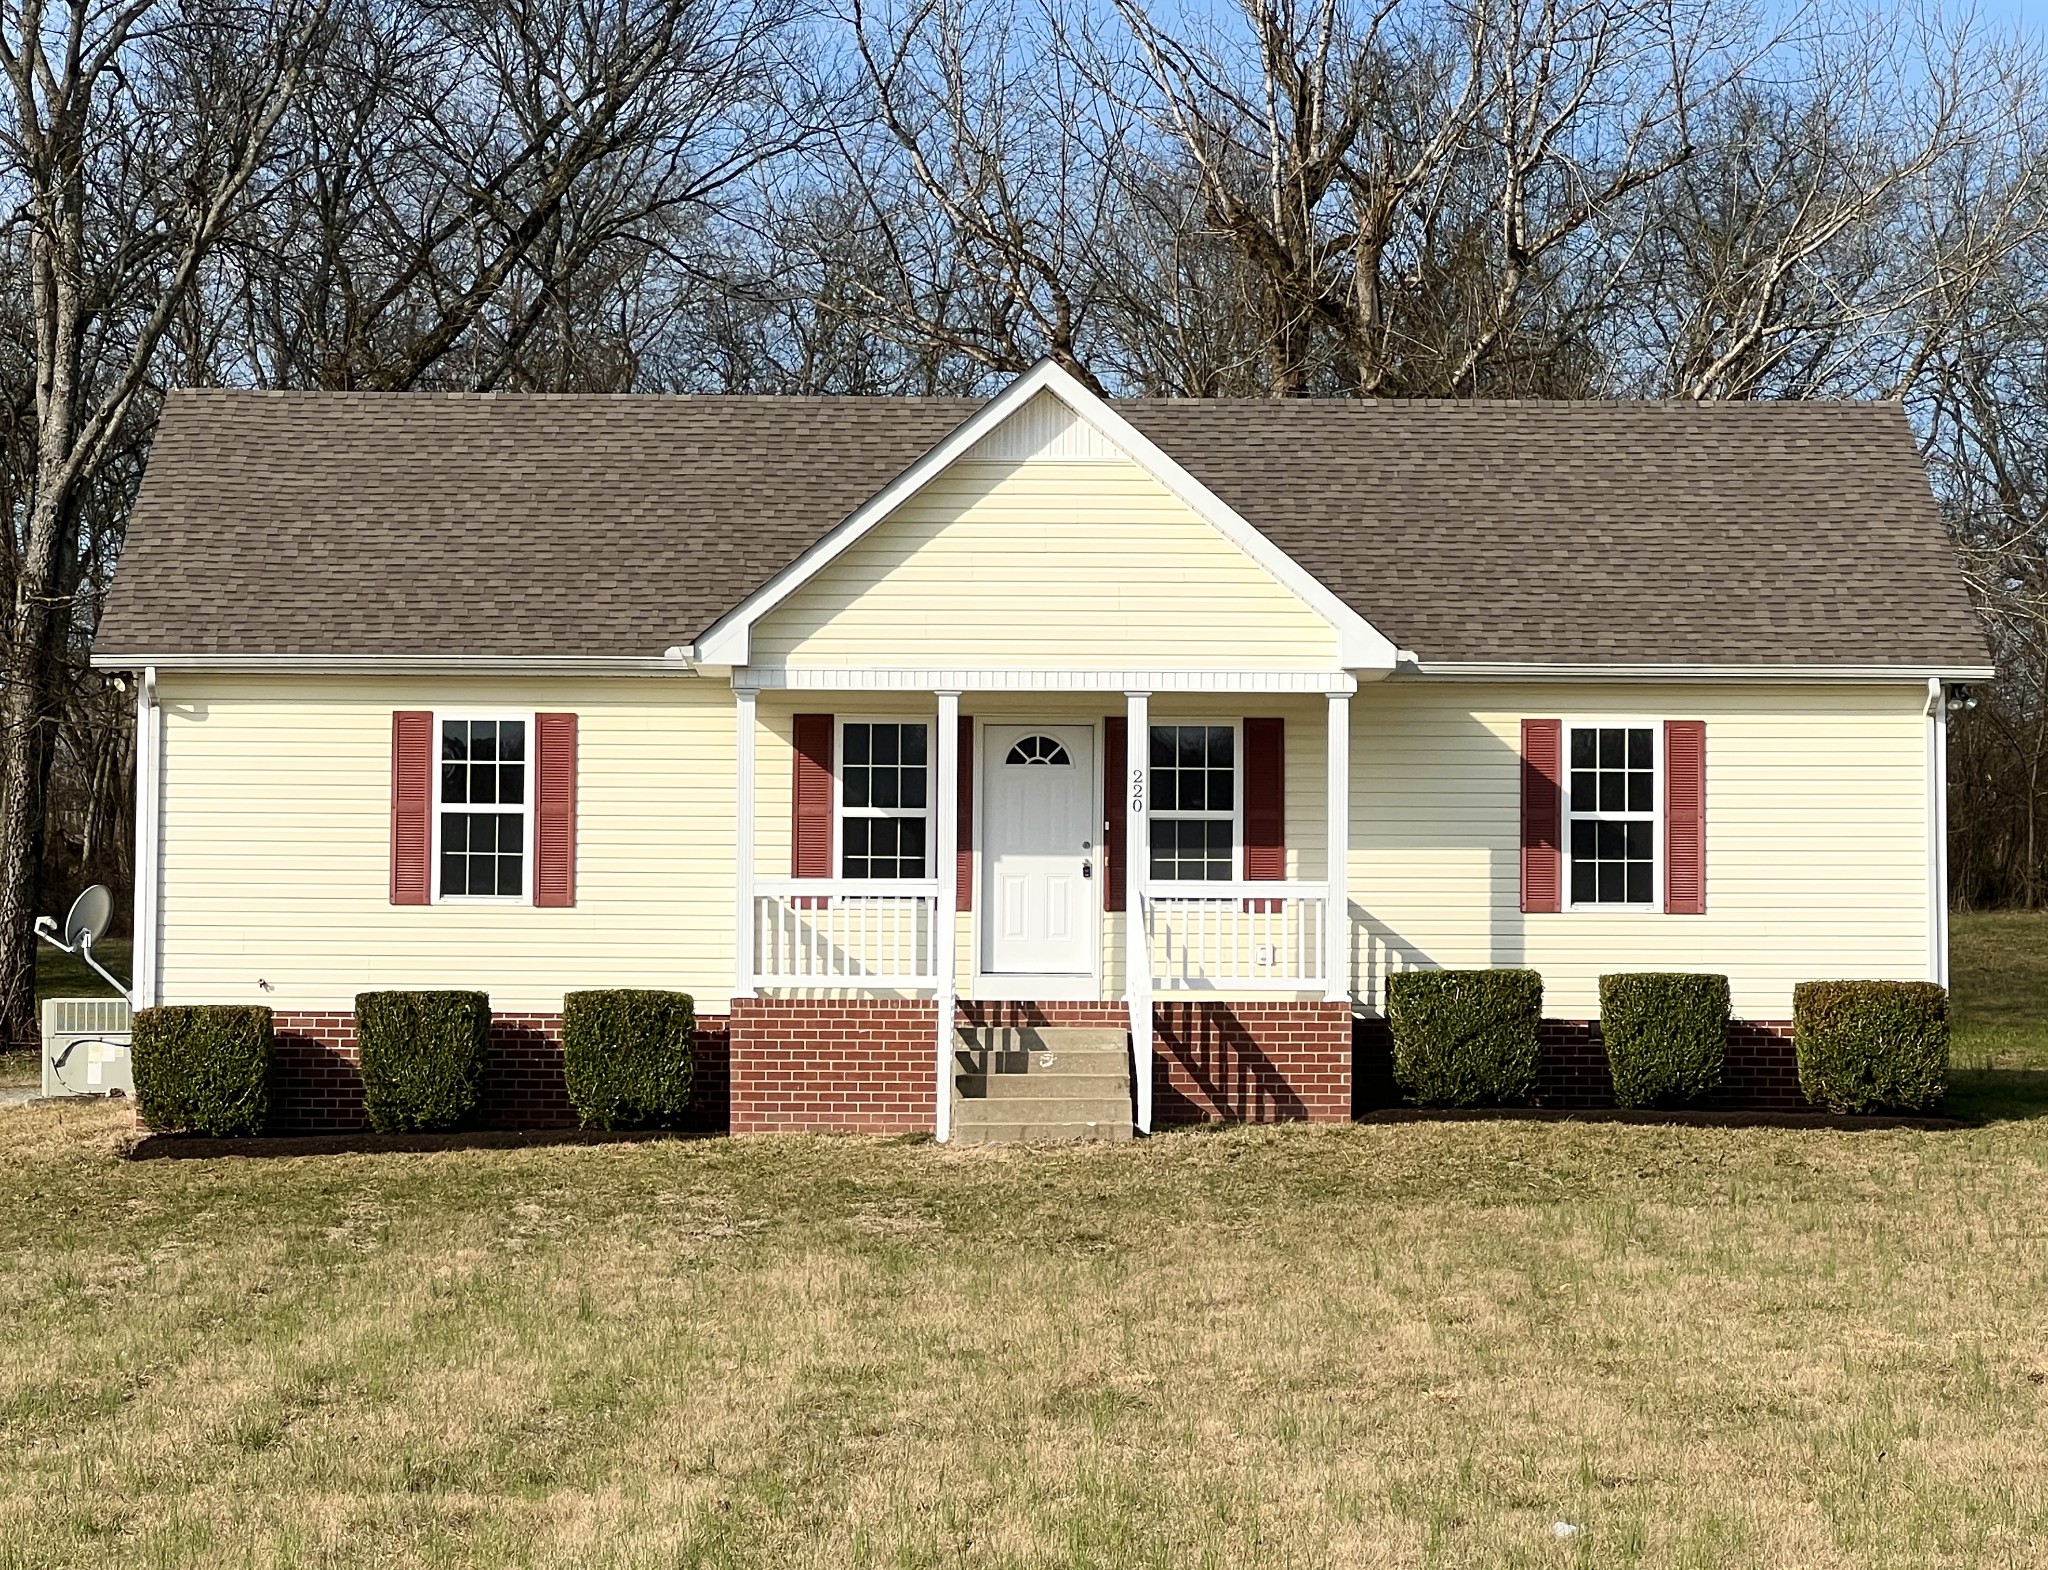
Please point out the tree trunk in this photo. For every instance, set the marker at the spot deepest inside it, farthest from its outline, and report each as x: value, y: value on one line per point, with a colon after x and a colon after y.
x: 26, y: 720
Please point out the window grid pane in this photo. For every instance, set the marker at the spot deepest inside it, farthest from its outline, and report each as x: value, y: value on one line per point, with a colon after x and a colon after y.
x: 883, y: 791
x: 1612, y: 794
x: 1191, y: 850
x: 483, y: 764
x: 1193, y: 835
x: 482, y: 853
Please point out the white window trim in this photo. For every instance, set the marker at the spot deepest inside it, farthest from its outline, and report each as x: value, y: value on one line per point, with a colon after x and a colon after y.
x: 1658, y: 786
x: 525, y: 894
x: 1235, y: 724
x: 931, y: 794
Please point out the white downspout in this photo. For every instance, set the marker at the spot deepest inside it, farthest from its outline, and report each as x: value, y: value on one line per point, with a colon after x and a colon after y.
x: 143, y: 986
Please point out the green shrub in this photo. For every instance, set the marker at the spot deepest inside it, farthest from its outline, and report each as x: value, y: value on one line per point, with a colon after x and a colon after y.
x: 422, y: 1057
x: 1871, y: 1046
x: 1667, y: 1037
x: 1463, y: 1037
x: 628, y: 1056
x: 205, y: 1069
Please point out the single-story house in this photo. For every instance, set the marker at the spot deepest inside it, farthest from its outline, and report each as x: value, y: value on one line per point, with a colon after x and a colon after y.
x: 923, y: 738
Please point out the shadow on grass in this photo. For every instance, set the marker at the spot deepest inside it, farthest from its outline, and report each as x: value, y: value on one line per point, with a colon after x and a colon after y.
x: 1997, y: 1095
x: 199, y: 1147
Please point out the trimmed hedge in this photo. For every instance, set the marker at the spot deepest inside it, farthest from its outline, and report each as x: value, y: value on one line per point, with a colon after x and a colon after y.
x: 1465, y: 1037
x: 203, y: 1069
x: 1667, y: 1036
x: 629, y: 1055
x: 1871, y: 1046
x: 422, y: 1056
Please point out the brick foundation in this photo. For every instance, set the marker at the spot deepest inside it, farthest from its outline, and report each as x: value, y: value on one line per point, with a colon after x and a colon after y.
x: 1762, y: 1073
x: 1251, y: 1063
x: 863, y: 1065
x: 315, y: 1085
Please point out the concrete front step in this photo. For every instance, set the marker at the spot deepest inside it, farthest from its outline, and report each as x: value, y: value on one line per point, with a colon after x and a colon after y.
x: 1040, y: 1038
x: 1040, y: 1083
x: 977, y: 1085
x: 1017, y: 1133
x: 1052, y: 1104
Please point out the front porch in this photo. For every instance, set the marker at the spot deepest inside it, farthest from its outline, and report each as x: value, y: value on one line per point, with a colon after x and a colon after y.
x: 1070, y: 851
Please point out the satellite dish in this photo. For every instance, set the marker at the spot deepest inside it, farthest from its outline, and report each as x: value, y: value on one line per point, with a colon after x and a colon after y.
x: 90, y: 913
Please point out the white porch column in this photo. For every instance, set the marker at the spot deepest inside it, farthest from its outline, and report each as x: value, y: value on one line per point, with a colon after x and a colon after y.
x: 1137, y: 861
x: 743, y: 844
x: 946, y: 815
x: 1337, y: 919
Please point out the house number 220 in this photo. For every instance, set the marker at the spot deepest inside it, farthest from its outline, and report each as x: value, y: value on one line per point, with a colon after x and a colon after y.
x: 1137, y: 790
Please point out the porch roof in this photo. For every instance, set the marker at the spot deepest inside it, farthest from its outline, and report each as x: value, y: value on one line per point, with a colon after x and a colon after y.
x: 536, y: 525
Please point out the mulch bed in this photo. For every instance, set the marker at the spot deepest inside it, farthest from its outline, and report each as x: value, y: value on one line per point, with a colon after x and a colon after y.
x: 1834, y: 1120
x: 186, y: 1147
x: 191, y: 1147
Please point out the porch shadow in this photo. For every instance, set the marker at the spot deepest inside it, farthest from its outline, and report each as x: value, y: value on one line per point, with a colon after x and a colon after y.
x: 1205, y: 1046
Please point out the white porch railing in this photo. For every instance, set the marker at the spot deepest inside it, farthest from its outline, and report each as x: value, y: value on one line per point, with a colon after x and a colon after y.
x: 1213, y: 936
x: 820, y: 932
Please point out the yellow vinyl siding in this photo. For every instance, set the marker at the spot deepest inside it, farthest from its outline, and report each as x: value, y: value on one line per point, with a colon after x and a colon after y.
x: 277, y: 822
x: 1045, y: 565
x: 277, y: 807
x: 1816, y: 839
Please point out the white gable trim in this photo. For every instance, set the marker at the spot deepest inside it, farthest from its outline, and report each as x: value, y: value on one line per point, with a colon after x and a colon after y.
x: 845, y: 678
x: 1360, y: 646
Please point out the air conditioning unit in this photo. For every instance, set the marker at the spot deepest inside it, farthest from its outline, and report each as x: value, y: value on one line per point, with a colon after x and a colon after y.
x: 85, y: 1047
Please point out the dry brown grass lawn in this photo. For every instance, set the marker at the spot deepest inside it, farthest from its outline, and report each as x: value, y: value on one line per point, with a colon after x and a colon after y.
x: 1385, y: 1345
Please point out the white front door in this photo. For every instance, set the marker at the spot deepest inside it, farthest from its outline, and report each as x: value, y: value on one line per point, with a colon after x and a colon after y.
x: 1040, y: 859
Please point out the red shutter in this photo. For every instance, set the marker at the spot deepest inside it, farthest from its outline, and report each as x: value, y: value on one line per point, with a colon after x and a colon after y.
x: 1115, y: 760
x: 554, y: 809
x: 1685, y: 818
x: 412, y: 800
x: 810, y: 841
x: 1542, y: 815
x: 1265, y: 805
x: 964, y: 848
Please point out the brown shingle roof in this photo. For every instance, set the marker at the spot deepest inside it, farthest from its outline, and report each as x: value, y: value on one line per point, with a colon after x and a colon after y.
x: 516, y: 525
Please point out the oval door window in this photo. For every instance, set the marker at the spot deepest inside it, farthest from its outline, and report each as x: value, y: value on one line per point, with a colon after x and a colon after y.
x: 1040, y: 750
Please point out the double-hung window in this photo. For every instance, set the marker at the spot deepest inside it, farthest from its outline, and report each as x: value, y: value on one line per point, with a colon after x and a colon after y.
x: 483, y: 808
x: 1611, y: 804
x: 884, y: 796
x: 1193, y: 816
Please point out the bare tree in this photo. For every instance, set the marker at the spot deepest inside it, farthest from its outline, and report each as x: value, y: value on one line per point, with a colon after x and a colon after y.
x: 134, y: 131
x: 468, y: 164
x: 1424, y: 190
x: 1836, y: 215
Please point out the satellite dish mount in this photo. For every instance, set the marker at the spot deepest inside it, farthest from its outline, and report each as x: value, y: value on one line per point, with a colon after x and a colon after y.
x: 83, y: 927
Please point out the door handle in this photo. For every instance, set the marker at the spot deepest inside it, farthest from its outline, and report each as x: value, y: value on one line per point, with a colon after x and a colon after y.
x: 1087, y: 869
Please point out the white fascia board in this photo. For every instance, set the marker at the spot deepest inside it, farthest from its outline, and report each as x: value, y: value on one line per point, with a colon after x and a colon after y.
x: 401, y: 664
x: 1360, y: 646
x: 1531, y: 670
